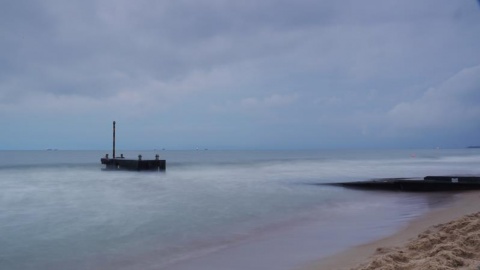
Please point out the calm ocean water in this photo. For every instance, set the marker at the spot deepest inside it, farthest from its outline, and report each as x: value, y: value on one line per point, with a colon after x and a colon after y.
x: 209, y: 210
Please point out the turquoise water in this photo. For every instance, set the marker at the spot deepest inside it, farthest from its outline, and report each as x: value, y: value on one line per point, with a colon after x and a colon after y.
x: 208, y: 210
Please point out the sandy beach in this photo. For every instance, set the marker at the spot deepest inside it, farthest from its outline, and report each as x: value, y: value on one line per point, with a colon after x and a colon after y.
x: 448, y: 238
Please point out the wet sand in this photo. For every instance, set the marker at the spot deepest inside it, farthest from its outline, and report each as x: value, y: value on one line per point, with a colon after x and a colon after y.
x: 447, y: 238
x: 315, y: 234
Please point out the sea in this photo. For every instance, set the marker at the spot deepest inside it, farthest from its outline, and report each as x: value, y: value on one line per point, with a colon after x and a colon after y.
x: 209, y: 210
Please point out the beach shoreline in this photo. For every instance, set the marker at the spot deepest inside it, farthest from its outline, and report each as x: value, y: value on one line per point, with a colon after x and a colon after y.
x: 366, y: 255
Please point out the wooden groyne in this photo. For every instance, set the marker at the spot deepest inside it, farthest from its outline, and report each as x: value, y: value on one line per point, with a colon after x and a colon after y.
x: 428, y: 183
x: 121, y: 163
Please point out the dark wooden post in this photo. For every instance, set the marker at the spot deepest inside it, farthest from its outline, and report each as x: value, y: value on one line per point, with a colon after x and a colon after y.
x: 113, y: 139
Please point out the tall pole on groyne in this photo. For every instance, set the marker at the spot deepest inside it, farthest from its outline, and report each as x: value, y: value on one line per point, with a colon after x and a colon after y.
x: 113, y: 139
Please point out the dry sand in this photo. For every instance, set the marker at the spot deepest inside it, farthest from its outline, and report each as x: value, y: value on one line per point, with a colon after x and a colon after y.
x: 448, y: 238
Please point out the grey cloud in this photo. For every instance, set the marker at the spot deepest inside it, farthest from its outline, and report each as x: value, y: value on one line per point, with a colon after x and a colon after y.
x: 168, y: 39
x: 338, y: 64
x: 452, y: 105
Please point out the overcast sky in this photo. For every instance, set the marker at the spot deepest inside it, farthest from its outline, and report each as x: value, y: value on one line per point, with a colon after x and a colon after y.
x: 250, y: 74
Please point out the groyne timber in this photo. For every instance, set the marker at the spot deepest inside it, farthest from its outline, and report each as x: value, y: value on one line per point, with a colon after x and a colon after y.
x: 121, y: 163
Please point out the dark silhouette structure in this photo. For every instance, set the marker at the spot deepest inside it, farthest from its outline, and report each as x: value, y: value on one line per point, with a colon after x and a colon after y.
x: 428, y: 183
x: 139, y: 164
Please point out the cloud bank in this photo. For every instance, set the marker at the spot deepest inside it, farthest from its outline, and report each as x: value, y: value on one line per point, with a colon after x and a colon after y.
x: 213, y: 73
